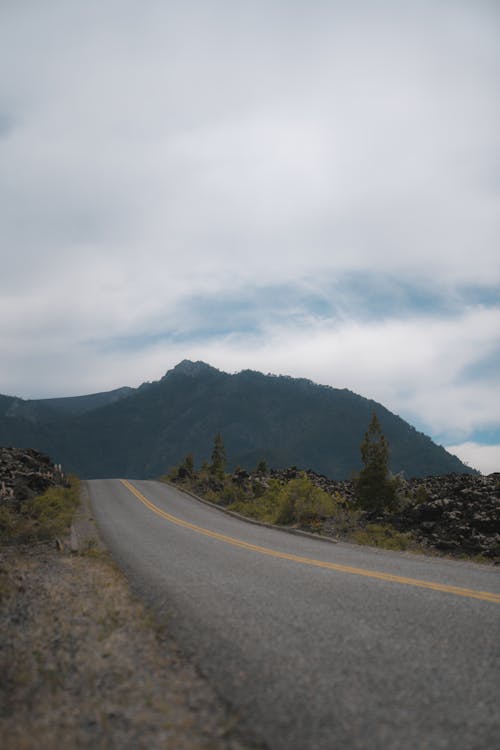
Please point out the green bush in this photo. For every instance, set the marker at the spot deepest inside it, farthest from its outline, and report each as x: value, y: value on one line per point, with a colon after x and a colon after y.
x: 43, y: 517
x: 345, y: 521
x: 385, y: 536
x: 264, y: 507
x: 302, y: 502
x: 261, y: 468
x: 421, y: 495
x: 297, y: 502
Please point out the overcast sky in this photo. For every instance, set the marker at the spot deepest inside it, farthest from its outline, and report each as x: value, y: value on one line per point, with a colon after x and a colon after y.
x: 300, y: 188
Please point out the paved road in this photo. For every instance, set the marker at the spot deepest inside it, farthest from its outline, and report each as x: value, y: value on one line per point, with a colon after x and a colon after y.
x: 312, y: 655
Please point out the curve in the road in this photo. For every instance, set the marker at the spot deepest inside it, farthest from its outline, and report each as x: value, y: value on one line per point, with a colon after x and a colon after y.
x: 457, y: 590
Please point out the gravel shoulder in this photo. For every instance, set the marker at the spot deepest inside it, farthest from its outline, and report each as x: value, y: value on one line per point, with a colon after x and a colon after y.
x: 84, y: 664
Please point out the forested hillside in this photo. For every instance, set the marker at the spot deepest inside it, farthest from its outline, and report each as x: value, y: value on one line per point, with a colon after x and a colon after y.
x: 142, y: 432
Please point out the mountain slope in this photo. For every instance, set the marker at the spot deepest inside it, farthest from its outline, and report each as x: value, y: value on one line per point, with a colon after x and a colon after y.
x: 75, y: 405
x: 287, y: 421
x: 28, y: 424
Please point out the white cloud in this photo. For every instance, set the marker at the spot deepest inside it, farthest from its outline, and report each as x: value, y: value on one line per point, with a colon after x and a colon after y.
x: 152, y: 155
x: 413, y: 366
x: 179, y: 134
x: 485, y: 458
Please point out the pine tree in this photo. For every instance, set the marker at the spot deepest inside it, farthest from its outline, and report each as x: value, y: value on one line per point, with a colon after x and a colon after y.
x: 218, y: 464
x: 261, y: 467
x: 375, y: 490
x: 189, y: 465
x: 185, y: 469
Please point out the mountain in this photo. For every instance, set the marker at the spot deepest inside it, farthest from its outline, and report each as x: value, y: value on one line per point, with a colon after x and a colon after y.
x: 287, y: 421
x: 75, y: 405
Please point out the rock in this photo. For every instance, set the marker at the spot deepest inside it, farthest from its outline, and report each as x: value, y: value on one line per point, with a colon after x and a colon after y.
x: 459, y: 513
x: 25, y: 473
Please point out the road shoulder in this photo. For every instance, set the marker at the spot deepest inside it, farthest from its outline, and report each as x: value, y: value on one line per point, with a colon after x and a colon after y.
x: 85, y: 665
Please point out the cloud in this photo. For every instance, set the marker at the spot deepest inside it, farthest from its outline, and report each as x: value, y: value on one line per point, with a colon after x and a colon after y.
x: 485, y: 458
x: 415, y: 365
x: 234, y: 139
x: 412, y: 366
x: 301, y: 189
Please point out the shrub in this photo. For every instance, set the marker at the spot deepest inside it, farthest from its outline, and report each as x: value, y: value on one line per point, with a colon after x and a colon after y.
x: 43, y: 517
x: 385, y: 536
x: 302, y: 502
x: 421, y: 495
x: 261, y: 468
x: 345, y: 521
x: 172, y: 474
x: 264, y: 507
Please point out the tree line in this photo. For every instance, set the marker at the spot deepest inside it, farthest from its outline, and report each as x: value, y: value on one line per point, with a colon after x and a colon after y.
x: 375, y: 487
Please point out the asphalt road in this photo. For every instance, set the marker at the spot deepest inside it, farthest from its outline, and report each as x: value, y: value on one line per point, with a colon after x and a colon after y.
x: 322, y: 653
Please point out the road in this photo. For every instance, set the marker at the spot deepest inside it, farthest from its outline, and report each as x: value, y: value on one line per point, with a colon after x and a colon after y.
x: 316, y: 645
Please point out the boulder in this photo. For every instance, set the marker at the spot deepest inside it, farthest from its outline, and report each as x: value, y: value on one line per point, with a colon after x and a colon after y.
x: 25, y: 473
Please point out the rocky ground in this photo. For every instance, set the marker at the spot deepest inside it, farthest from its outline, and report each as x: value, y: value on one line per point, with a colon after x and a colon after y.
x: 457, y: 513
x: 25, y: 473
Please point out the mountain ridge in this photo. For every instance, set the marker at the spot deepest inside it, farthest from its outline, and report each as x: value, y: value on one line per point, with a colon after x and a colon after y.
x: 287, y: 421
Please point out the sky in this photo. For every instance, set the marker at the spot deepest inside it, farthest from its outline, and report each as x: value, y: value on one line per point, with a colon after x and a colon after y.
x: 309, y: 189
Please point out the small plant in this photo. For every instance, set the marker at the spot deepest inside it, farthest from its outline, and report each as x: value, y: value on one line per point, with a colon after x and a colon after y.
x: 43, y: 517
x: 345, y: 521
x: 172, y: 474
x: 385, y: 536
x: 186, y: 468
x: 421, y: 495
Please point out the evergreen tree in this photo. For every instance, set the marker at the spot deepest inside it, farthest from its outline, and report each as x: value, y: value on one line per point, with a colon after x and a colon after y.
x: 261, y: 467
x: 375, y: 490
x: 186, y: 469
x: 189, y: 464
x: 218, y: 464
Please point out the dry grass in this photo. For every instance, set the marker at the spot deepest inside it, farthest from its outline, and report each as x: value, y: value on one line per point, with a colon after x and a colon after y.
x: 40, y: 518
x: 83, y: 667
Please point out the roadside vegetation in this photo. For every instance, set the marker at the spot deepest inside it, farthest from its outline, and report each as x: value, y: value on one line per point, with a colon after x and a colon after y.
x: 298, y: 502
x: 456, y: 515
x: 42, y: 517
x: 84, y: 664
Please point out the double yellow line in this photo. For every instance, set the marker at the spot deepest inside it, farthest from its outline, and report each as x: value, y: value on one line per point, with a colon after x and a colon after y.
x: 457, y: 590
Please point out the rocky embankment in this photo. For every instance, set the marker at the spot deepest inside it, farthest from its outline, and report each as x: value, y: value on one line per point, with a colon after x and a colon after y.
x: 25, y: 473
x: 455, y: 513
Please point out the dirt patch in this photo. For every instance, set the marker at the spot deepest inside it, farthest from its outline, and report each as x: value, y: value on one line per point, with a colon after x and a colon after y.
x: 84, y: 665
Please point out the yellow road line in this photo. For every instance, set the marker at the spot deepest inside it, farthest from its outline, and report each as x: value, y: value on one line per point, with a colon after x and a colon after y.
x: 470, y: 593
